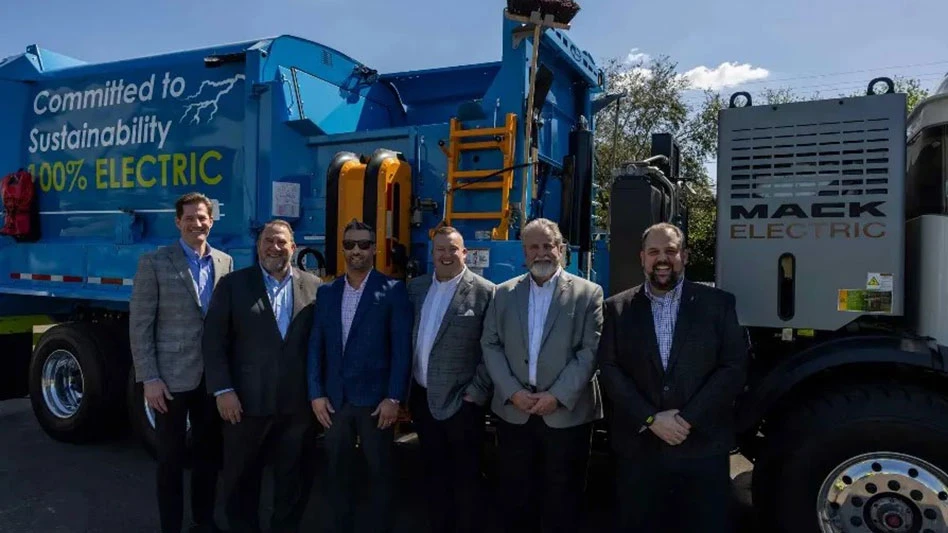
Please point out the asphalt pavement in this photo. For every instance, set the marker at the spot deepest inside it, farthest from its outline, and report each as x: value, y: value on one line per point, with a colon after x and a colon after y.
x: 108, y: 487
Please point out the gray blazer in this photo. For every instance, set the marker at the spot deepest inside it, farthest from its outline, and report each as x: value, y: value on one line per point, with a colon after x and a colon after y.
x: 165, y: 320
x: 456, y: 364
x: 566, y: 365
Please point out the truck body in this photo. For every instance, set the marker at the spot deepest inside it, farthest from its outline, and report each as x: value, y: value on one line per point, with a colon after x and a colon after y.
x: 273, y: 128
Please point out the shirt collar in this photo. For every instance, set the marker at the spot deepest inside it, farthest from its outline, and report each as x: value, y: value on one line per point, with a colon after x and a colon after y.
x: 453, y: 281
x: 191, y: 254
x: 673, y: 294
x: 272, y: 280
x: 549, y: 283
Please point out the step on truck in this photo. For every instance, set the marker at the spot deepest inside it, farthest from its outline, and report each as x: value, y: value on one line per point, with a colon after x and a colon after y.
x: 278, y: 127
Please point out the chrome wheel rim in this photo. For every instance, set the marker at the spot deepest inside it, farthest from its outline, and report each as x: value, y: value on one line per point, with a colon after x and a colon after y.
x: 150, y: 416
x: 62, y: 384
x: 884, y: 493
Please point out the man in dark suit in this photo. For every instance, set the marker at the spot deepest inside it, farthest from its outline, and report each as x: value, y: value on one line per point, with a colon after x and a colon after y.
x: 255, y: 339
x: 673, y: 360
x: 172, y: 289
x: 451, y: 385
x: 359, y: 366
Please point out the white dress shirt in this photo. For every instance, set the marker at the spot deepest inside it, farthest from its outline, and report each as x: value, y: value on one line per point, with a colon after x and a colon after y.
x: 350, y: 302
x: 432, y: 313
x: 540, y: 299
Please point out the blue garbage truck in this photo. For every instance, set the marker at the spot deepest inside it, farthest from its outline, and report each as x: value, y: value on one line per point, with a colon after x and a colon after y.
x: 273, y: 128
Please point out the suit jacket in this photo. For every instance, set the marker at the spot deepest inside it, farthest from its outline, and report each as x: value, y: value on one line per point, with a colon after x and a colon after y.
x: 706, y: 370
x: 243, y: 348
x: 566, y: 365
x: 376, y: 363
x: 456, y: 362
x: 165, y: 319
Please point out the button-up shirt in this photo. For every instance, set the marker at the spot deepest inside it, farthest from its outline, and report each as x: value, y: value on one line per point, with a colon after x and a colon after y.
x: 664, y: 317
x: 350, y: 302
x: 202, y: 273
x: 280, y: 294
x: 436, y: 304
x: 540, y: 299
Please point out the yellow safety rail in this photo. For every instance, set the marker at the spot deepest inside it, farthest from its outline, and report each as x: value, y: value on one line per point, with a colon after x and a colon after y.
x: 472, y: 139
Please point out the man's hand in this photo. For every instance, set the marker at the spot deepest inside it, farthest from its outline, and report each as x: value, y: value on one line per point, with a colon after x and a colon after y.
x: 387, y: 412
x: 322, y: 408
x: 523, y: 400
x: 468, y: 398
x: 668, y: 427
x: 545, y: 404
x: 228, y: 405
x: 155, y: 394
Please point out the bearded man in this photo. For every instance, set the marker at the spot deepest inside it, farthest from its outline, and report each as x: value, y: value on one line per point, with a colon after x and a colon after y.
x: 673, y: 360
x: 540, y: 337
x: 255, y: 338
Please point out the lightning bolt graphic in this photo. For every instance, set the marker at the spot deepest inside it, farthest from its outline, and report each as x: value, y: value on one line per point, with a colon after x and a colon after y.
x: 224, y: 86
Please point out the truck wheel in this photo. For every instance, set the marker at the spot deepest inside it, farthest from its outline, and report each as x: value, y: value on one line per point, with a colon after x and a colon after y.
x: 72, y: 383
x: 861, y: 458
x: 142, y: 418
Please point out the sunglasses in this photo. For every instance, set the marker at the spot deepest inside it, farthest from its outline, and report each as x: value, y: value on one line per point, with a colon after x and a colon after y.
x: 363, y: 245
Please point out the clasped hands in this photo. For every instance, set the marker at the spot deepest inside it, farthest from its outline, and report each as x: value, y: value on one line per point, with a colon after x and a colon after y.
x: 539, y: 403
x: 670, y: 427
x: 387, y: 411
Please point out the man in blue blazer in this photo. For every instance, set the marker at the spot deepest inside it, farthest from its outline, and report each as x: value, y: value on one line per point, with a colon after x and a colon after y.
x: 359, y: 366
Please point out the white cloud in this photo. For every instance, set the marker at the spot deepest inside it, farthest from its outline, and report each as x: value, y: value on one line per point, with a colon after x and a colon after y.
x: 635, y: 56
x: 726, y: 74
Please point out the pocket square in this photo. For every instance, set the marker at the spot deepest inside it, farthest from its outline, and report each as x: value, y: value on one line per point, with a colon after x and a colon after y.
x: 469, y: 312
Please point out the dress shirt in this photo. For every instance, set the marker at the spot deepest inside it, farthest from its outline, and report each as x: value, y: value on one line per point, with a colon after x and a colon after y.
x: 280, y: 294
x: 540, y: 299
x: 432, y: 314
x: 350, y: 302
x: 664, y: 317
x: 202, y: 273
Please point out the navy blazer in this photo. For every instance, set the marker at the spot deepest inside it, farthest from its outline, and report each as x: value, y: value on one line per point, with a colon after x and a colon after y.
x: 377, y: 359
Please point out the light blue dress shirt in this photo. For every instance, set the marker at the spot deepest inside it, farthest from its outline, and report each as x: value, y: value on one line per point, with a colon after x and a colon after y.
x: 202, y: 273
x: 281, y: 298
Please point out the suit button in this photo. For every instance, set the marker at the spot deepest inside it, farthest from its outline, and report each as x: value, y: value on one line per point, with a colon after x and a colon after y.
x: 667, y: 388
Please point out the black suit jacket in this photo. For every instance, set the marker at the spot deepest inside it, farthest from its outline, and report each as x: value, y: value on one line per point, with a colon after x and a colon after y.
x: 243, y: 349
x: 706, y: 370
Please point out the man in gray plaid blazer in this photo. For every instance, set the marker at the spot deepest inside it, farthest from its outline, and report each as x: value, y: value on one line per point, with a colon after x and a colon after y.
x: 170, y: 295
x: 450, y: 385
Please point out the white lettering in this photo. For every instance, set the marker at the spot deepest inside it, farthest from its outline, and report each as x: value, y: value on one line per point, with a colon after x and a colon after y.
x: 36, y: 102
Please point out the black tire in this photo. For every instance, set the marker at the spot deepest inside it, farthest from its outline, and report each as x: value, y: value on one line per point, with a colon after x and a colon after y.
x: 97, y: 414
x: 14, y: 374
x: 814, y: 438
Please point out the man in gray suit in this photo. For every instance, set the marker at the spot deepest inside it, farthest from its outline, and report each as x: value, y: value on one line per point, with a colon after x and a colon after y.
x: 450, y: 384
x: 540, y: 339
x: 170, y: 295
x: 255, y: 340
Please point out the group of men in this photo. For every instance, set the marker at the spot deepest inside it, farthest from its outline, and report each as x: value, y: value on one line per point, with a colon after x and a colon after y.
x: 259, y: 358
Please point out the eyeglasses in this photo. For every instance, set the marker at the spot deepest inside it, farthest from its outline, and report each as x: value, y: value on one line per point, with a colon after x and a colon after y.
x: 363, y: 245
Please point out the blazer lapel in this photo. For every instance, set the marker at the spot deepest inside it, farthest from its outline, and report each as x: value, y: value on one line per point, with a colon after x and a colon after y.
x: 686, y: 307
x: 260, y: 288
x: 464, y: 285
x: 368, y: 294
x: 418, y: 302
x: 523, y: 310
x: 299, y: 301
x: 561, y: 294
x: 180, y: 263
x: 218, y: 266
x: 642, y: 316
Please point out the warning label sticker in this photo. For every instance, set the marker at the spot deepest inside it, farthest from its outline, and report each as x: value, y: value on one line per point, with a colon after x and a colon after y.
x: 879, y: 281
x: 864, y: 301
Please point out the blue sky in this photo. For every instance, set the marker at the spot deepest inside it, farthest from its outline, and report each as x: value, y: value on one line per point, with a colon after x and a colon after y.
x: 842, y: 35
x: 807, y: 45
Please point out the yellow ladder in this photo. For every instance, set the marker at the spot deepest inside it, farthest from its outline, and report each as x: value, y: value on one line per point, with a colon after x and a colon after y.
x: 471, y: 139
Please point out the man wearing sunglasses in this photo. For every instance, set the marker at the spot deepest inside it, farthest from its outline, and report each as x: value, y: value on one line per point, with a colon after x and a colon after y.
x: 359, y: 365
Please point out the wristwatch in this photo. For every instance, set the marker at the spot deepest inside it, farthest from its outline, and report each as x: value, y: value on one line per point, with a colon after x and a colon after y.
x: 649, y: 420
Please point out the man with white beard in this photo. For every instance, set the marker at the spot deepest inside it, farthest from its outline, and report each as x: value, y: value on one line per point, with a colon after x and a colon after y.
x: 541, y: 334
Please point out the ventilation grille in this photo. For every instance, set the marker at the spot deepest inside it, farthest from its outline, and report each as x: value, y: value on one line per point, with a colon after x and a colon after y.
x: 842, y: 158
x: 327, y: 58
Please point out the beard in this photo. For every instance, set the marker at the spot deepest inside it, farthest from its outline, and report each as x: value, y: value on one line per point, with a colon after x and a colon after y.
x: 275, y: 264
x: 667, y: 285
x: 543, y: 268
